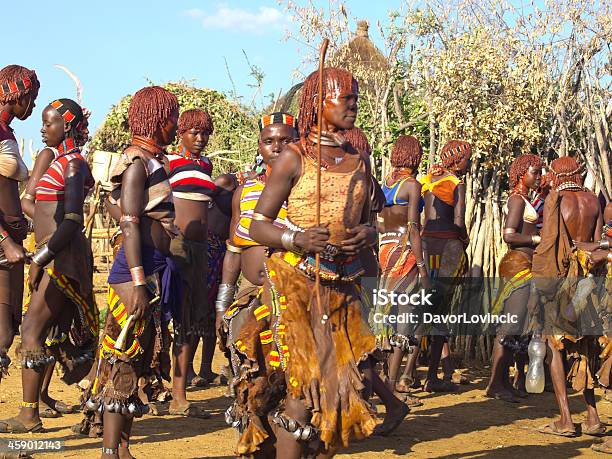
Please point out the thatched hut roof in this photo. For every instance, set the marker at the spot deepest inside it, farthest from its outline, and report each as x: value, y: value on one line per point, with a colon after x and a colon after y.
x: 359, y: 50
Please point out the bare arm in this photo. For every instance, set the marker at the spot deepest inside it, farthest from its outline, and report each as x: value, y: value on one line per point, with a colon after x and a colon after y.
x: 132, y: 193
x: 598, y: 226
x: 413, y: 191
x: 74, y: 197
x: 231, y: 261
x: 459, y: 215
x: 278, y: 186
x: 112, y: 209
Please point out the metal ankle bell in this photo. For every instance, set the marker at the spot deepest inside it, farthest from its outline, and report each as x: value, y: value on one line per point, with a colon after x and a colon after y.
x: 308, y: 433
x: 109, y: 407
x: 91, y: 404
x: 132, y: 408
x: 292, y: 425
x: 229, y: 416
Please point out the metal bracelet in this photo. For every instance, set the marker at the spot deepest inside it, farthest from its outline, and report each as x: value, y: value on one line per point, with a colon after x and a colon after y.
x: 420, y: 264
x: 288, y: 240
x: 29, y: 197
x: 225, y: 297
x: 138, y: 276
x: 536, y: 239
x: 509, y: 230
x: 261, y: 218
x: 604, y: 244
x: 129, y: 219
x: 74, y: 217
x: 44, y: 256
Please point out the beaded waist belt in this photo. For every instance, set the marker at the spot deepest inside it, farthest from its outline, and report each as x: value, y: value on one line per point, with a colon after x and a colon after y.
x: 334, y: 266
x: 393, y: 237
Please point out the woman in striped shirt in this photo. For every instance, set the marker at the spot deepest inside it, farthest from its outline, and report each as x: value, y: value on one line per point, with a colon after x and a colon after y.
x: 51, y: 408
x: 61, y: 271
x: 192, y: 191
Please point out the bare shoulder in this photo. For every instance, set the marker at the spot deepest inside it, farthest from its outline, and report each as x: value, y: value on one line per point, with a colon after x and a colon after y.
x: 45, y: 155
x: 412, y: 186
x: 516, y: 201
x: 226, y: 181
x: 288, y: 161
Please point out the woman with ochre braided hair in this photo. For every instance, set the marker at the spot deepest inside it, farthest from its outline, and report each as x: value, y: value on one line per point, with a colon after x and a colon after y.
x: 192, y: 191
x: 49, y: 407
x: 145, y: 284
x: 319, y: 343
x: 521, y: 235
x: 562, y: 286
x: 402, y: 265
x: 444, y: 239
x: 18, y: 91
x: 60, y: 276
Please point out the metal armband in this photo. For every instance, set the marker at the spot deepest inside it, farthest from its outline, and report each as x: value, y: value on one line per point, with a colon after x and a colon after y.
x: 261, y: 218
x: 225, y: 297
x: 138, y: 276
x: 78, y: 219
x: 129, y: 219
x: 43, y: 256
x: 288, y: 241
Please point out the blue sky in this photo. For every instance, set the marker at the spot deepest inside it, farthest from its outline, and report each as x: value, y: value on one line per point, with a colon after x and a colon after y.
x: 115, y: 47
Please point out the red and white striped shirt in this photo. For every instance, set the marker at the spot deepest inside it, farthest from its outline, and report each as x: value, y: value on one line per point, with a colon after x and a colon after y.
x: 190, y: 178
x: 52, y: 184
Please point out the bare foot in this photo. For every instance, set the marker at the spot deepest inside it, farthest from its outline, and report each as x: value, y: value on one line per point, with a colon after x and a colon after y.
x: 124, y: 453
x: 500, y: 394
x: 393, y: 419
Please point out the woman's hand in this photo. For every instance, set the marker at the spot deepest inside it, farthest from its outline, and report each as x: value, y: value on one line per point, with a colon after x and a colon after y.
x: 312, y: 240
x: 13, y: 252
x: 218, y: 325
x: 424, y: 279
x: 139, y: 302
x: 34, y: 276
x: 363, y: 235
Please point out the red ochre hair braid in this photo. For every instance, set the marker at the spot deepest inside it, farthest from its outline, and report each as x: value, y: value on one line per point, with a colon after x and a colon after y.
x: 566, y: 169
x: 13, y: 78
x: 521, y: 165
x: 149, y: 109
x: 195, y: 119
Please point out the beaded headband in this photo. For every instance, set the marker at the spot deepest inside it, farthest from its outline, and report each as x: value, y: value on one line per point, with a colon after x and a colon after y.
x: 455, y: 151
x: 63, y: 110
x: 277, y: 118
x: 12, y: 87
x: 568, y: 174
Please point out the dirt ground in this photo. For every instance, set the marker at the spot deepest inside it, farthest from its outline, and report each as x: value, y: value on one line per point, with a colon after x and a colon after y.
x: 462, y: 425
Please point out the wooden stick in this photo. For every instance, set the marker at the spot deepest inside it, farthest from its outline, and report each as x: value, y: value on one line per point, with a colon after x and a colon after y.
x: 322, y: 53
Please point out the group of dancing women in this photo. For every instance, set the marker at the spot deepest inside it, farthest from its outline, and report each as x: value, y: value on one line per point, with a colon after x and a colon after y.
x: 268, y: 264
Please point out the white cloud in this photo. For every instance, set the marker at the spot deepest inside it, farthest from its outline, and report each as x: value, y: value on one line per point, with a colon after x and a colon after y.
x: 240, y: 20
